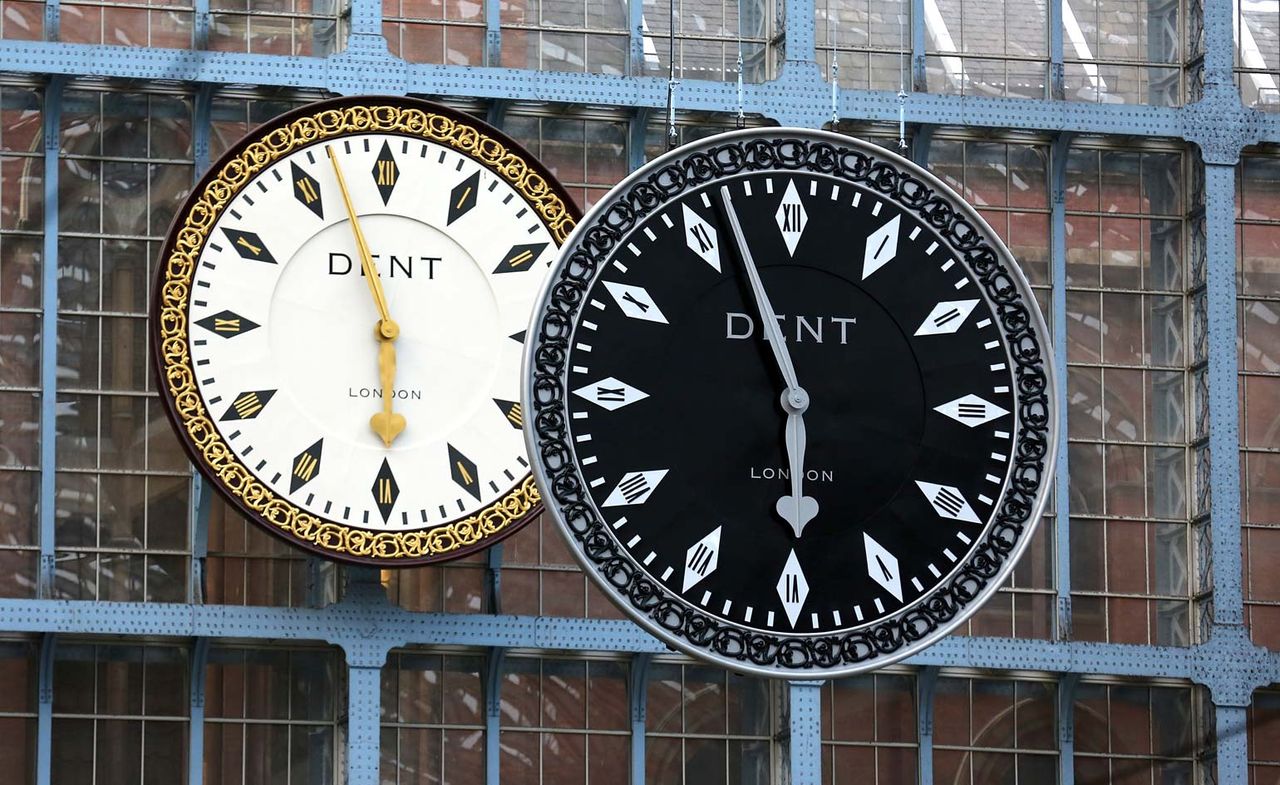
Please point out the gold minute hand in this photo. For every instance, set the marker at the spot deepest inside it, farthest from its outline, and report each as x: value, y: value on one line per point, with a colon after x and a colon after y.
x: 386, y: 327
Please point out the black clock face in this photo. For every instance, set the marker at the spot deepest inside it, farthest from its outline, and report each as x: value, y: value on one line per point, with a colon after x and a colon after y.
x: 924, y: 409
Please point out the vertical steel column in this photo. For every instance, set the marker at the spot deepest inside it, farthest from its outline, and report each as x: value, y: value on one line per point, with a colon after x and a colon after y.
x: 801, y: 44
x: 1224, y: 428
x: 201, y: 23
x: 637, y: 133
x: 919, y: 45
x: 926, y: 684
x: 49, y: 335
x: 635, y: 37
x: 804, y: 746
x: 201, y: 497
x: 493, y: 716
x: 1058, y: 328
x: 364, y: 714
x: 638, y: 697
x: 52, y: 20
x: 493, y: 33
x: 44, y: 717
x: 198, y: 661
x: 1057, y: 72
x: 1067, y: 728
x: 1233, y: 745
x: 366, y: 17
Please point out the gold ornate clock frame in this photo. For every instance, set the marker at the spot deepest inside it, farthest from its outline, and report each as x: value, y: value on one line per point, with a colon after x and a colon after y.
x: 186, y: 240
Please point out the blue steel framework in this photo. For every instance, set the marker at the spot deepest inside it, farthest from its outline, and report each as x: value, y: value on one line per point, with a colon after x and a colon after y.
x: 366, y: 626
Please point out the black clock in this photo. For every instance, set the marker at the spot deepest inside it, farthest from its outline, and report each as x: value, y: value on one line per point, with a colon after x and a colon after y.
x: 791, y: 402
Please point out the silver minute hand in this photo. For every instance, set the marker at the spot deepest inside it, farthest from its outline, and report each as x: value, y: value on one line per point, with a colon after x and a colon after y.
x: 796, y: 508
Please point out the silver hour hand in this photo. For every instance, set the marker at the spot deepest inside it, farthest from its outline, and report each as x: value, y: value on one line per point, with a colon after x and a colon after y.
x: 796, y: 509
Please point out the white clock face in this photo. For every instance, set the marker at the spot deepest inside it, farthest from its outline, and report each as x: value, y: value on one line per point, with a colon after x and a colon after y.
x: 282, y: 330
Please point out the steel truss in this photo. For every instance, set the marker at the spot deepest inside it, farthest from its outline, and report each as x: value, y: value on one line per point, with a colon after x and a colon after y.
x: 366, y: 626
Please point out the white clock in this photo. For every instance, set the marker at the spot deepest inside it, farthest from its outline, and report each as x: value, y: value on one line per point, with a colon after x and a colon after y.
x: 340, y: 314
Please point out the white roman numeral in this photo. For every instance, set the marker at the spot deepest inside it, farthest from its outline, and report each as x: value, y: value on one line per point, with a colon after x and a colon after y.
x: 701, y: 559
x: 701, y: 237
x: 947, y: 317
x: 635, y: 302
x: 610, y: 393
x: 971, y: 410
x: 882, y: 566
x: 948, y: 502
x: 635, y: 488
x: 882, y: 247
x: 792, y: 588
x: 791, y: 217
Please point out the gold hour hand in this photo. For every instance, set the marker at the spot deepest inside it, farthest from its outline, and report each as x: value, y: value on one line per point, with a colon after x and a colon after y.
x: 386, y: 423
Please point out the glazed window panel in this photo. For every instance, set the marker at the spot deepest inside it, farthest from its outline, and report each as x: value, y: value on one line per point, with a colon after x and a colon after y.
x: 867, y: 40
x: 122, y: 485
x: 984, y: 48
x: 142, y: 24
x: 1264, y: 735
x: 272, y: 715
x: 706, y: 725
x: 19, y: 667
x: 432, y: 718
x: 1136, y: 732
x: 989, y: 730
x: 564, y: 721
x: 709, y: 36
x: 119, y: 713
x: 587, y: 156
x: 1257, y: 55
x: 21, y: 270
x: 541, y: 578
x: 869, y: 729
x: 1128, y: 395
x: 275, y: 27
x: 1123, y: 51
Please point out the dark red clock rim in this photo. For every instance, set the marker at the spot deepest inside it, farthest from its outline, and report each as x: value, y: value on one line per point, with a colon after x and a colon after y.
x: 157, y: 361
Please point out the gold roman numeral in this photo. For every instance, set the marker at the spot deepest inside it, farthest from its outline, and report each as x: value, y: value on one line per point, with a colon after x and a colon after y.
x: 515, y: 415
x: 305, y: 467
x: 386, y: 172
x: 256, y: 250
x: 384, y: 490
x: 247, y: 405
x: 307, y: 189
x: 226, y: 325
x: 463, y: 199
x: 519, y: 259
x: 462, y: 472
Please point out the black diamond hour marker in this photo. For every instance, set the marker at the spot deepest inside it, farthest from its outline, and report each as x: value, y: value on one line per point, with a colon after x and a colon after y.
x: 512, y: 411
x: 385, y: 172
x: 518, y: 337
x: 385, y: 490
x: 463, y: 197
x: 520, y: 257
x: 249, y: 246
x: 248, y: 405
x: 464, y: 472
x: 305, y: 466
x: 227, y: 324
x: 307, y: 190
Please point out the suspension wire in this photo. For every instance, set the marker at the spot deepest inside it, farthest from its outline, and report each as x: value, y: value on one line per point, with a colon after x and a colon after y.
x: 902, y: 82
x: 835, y: 72
x: 742, y: 118
x: 672, y: 136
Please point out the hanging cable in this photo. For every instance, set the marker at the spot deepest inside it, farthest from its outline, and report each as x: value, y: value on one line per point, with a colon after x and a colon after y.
x: 835, y: 72
x: 742, y: 118
x: 672, y: 136
x: 902, y: 83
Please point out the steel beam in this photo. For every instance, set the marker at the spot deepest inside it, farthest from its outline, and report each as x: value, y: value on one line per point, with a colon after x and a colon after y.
x: 52, y: 118
x: 804, y: 739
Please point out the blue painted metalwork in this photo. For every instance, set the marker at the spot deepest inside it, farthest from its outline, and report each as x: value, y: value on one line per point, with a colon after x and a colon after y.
x: 364, y: 686
x: 197, y: 667
x: 49, y: 335
x: 44, y: 710
x: 919, y: 61
x: 1057, y: 72
x: 926, y: 685
x: 492, y: 32
x: 638, y: 698
x: 1058, y: 325
x: 804, y: 745
x: 493, y: 715
x: 1067, y: 728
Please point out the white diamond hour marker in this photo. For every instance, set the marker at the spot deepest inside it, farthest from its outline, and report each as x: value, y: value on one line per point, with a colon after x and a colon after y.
x: 947, y: 317
x: 701, y: 559
x: 948, y: 502
x: 792, y: 588
x: 635, y: 488
x: 971, y: 410
x: 701, y: 237
x: 610, y: 393
x: 635, y: 302
x: 791, y: 217
x: 882, y: 247
x: 882, y: 566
